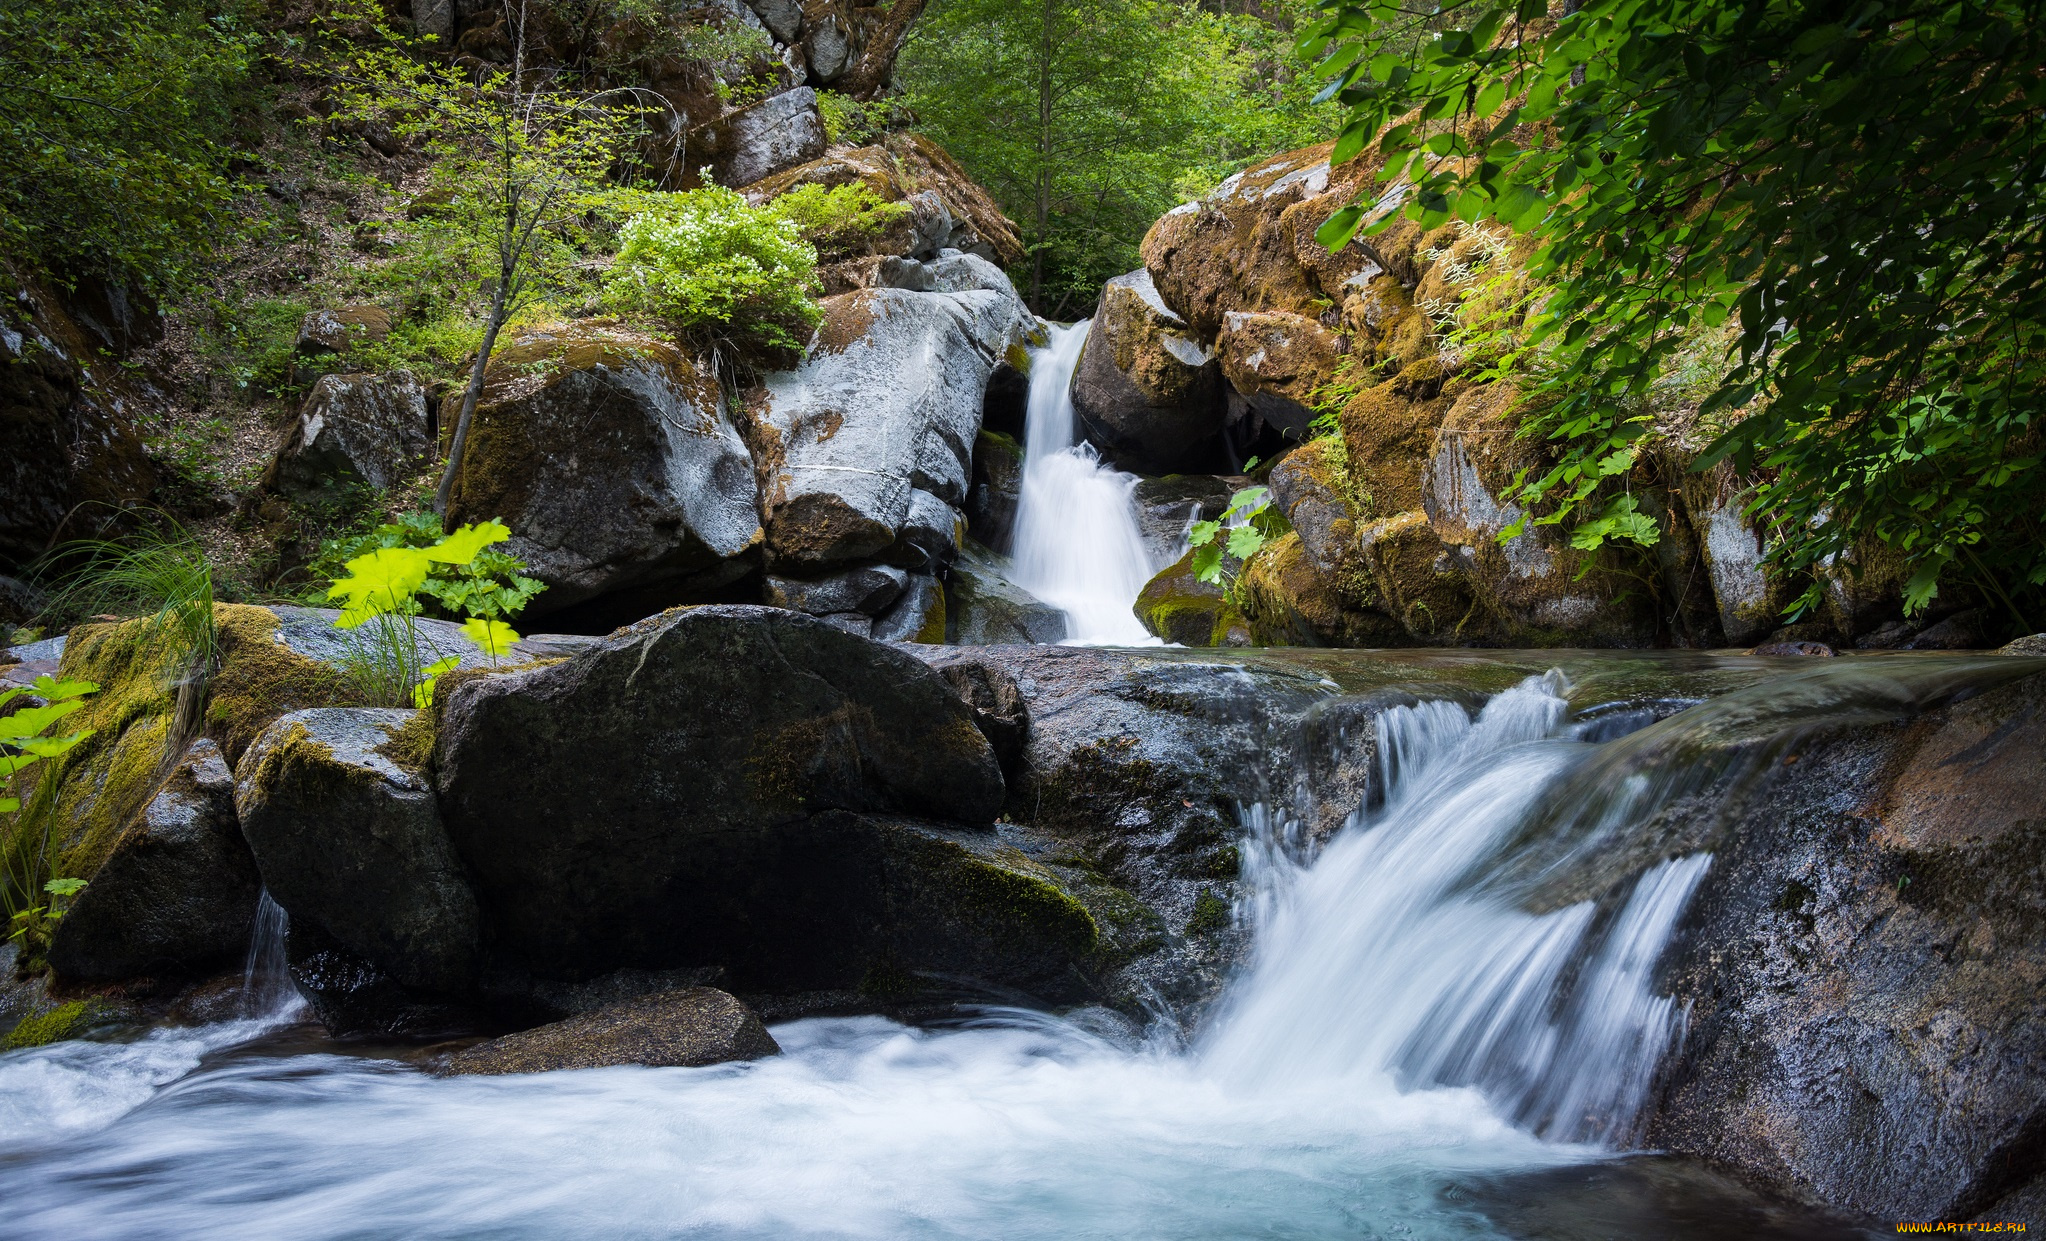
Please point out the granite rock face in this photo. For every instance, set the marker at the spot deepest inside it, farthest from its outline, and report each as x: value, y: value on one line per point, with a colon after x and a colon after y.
x: 885, y: 404
x: 1866, y: 965
x: 353, y: 431
x: 610, y: 456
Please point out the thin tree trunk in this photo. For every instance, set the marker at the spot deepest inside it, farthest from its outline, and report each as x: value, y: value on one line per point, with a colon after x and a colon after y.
x: 469, y: 398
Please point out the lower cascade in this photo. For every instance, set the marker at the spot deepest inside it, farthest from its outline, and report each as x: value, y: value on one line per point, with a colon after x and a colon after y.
x: 1385, y: 962
x: 1404, y: 1033
x: 1077, y: 543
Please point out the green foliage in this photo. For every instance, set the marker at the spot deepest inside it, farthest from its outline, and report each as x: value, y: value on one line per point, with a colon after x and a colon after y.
x: 847, y: 119
x: 841, y: 221
x: 489, y: 584
x: 1239, y: 533
x: 251, y: 343
x: 617, y: 41
x: 1863, y: 192
x: 711, y: 265
x: 114, y: 116
x: 24, y: 741
x: 381, y: 599
x: 160, y: 572
x: 1088, y: 120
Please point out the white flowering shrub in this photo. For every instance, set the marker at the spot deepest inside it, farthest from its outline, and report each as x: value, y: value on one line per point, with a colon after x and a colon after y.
x: 711, y: 265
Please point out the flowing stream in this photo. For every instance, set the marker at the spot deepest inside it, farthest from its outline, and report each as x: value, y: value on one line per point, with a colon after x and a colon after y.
x: 1404, y: 1035
x: 1077, y: 545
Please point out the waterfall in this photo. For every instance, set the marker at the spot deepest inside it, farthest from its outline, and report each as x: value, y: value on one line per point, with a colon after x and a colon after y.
x: 1387, y: 960
x: 1077, y: 546
x: 267, y: 989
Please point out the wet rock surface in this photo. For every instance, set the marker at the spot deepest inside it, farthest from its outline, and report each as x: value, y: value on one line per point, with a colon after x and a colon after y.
x: 1866, y: 968
x: 349, y: 838
x: 674, y: 1029
x: 686, y: 750
x: 178, y: 893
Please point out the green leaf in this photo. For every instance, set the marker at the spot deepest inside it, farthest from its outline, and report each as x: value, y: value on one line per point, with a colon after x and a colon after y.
x: 64, y: 887
x: 1207, y: 562
x: 1245, y: 541
x: 1201, y: 533
x: 494, y: 638
x: 462, y: 546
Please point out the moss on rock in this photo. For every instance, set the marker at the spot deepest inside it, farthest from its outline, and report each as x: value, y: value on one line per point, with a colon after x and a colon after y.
x: 1179, y: 607
x: 53, y: 1025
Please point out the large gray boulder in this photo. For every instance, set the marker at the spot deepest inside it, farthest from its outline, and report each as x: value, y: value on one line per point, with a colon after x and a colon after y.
x: 1865, y: 963
x: 178, y: 893
x: 760, y: 139
x: 885, y: 403
x: 353, y: 431
x: 610, y: 456
x: 689, y: 1028
x: 638, y: 804
x: 347, y: 836
x: 1148, y: 393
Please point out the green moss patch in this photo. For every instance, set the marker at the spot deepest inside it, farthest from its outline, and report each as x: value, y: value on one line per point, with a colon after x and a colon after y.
x: 54, y: 1025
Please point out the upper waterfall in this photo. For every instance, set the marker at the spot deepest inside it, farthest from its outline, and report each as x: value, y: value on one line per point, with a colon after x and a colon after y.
x: 1077, y: 543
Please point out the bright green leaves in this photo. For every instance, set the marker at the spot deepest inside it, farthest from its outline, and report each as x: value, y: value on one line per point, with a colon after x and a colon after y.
x: 380, y: 582
x: 386, y: 581
x: 1240, y: 533
x: 422, y: 693
x: 465, y: 544
x: 21, y: 741
x: 492, y: 637
x: 1620, y: 519
x: 383, y: 586
x: 706, y: 261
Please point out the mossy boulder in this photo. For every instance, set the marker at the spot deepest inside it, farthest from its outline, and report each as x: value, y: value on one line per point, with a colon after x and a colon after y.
x: 1179, y: 607
x: 349, y: 839
x: 1249, y: 244
x: 1535, y: 589
x: 905, y: 165
x: 1278, y: 362
x: 1146, y: 392
x: 610, y: 455
x: 689, y: 1028
x: 1289, y: 600
x: 177, y: 895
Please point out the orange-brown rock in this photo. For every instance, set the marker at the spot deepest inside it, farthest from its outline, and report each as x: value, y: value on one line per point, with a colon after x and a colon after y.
x: 1279, y: 363
x: 1249, y: 245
